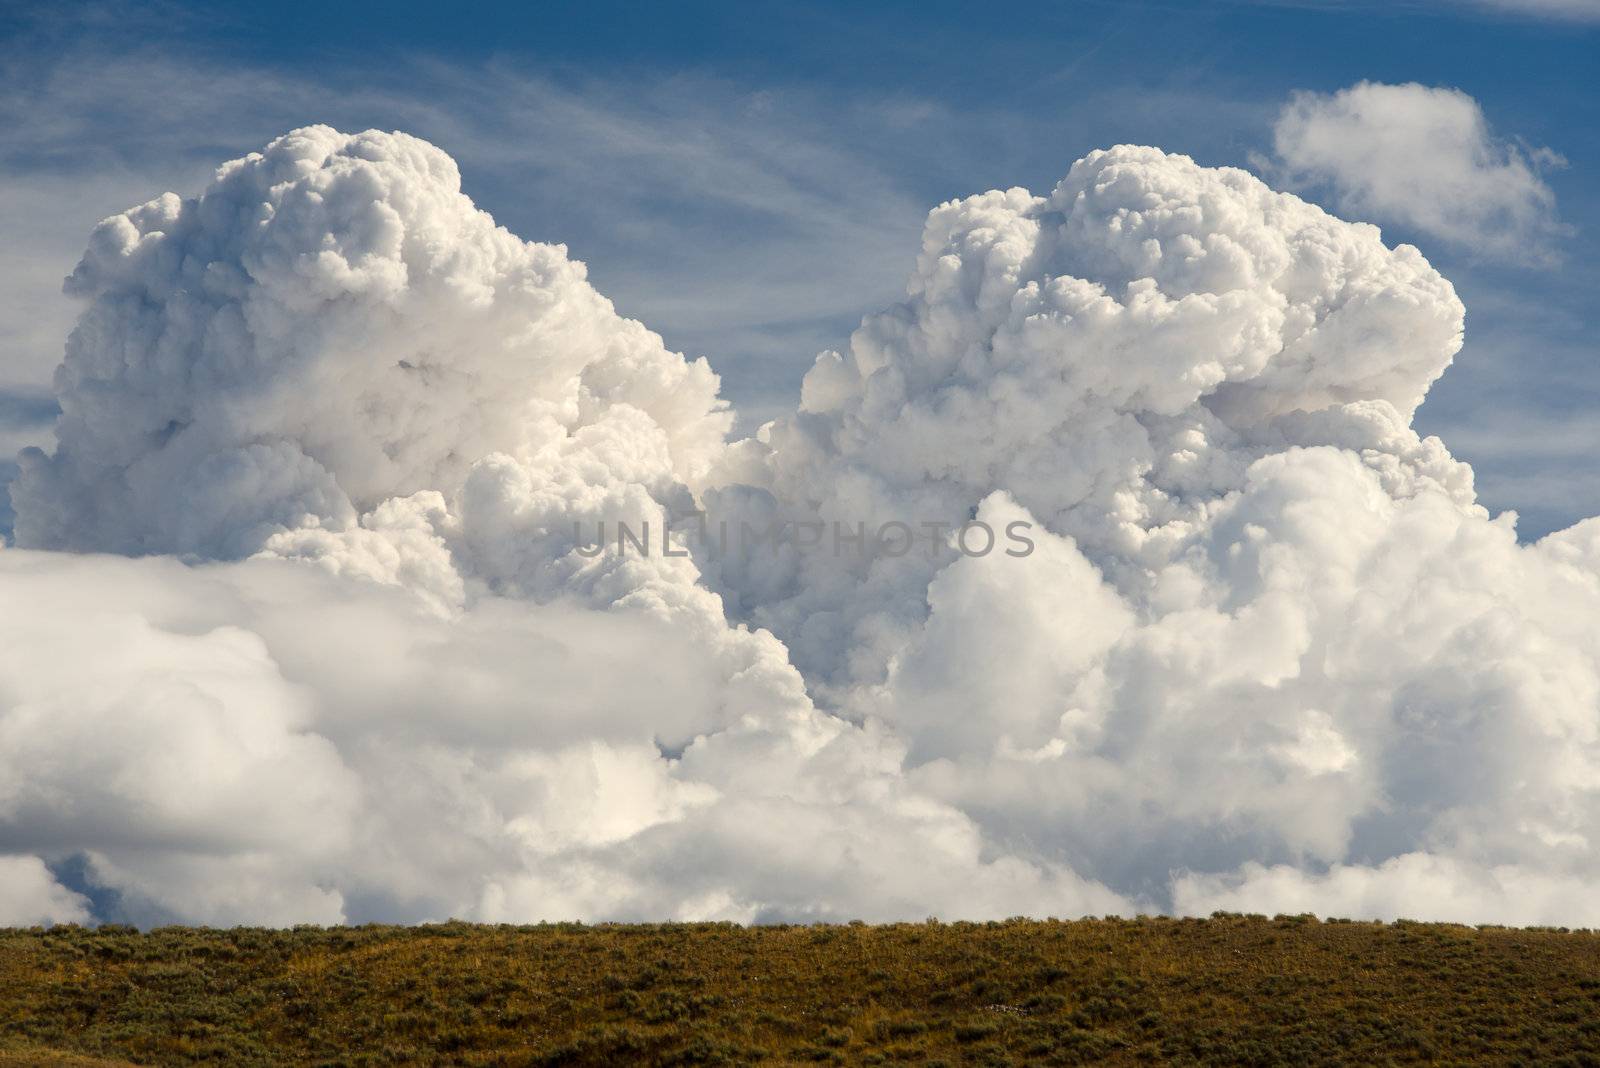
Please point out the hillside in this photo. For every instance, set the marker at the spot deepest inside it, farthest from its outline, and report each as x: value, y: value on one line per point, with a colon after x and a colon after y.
x: 1228, y: 990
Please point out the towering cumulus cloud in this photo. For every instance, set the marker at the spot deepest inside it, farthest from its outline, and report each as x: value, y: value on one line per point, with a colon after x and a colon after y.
x: 1255, y: 644
x: 329, y: 326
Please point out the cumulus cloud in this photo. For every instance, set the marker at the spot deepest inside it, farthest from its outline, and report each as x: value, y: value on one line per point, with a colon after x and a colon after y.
x: 1266, y: 623
x: 30, y: 895
x: 330, y: 325
x: 1424, y: 158
x: 266, y: 742
x: 415, y: 693
x: 1407, y: 886
x: 333, y: 453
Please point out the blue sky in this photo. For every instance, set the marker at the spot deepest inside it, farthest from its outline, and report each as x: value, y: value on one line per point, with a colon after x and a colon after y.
x: 749, y: 180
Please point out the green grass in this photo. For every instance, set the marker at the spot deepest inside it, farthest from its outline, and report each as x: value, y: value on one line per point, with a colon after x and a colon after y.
x: 1228, y: 990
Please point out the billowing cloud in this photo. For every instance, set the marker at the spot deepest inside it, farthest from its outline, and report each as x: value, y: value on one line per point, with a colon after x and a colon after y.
x: 30, y: 895
x: 1266, y: 622
x: 330, y: 325
x: 359, y: 657
x: 1424, y: 158
x: 1406, y: 886
x: 266, y: 742
x: 331, y: 358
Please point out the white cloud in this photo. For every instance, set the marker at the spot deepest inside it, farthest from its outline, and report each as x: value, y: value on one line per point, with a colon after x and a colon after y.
x: 332, y: 356
x: 266, y: 743
x: 289, y: 380
x: 1267, y: 622
x: 1267, y: 643
x: 1412, y: 886
x: 1424, y: 158
x: 30, y: 895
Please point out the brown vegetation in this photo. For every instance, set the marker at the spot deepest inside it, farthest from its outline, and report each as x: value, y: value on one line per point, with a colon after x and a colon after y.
x: 1228, y: 990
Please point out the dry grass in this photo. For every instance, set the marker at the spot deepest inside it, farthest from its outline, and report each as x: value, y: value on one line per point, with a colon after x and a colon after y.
x: 1229, y: 990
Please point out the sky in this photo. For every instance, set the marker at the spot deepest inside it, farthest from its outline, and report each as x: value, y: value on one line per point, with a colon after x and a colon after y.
x: 747, y: 179
x: 1250, y: 343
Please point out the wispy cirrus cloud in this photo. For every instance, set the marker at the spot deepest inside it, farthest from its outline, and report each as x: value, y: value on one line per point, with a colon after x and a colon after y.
x: 1571, y: 11
x: 1561, y: 10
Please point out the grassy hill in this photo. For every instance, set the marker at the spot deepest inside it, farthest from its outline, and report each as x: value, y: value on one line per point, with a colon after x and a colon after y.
x: 1228, y: 990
